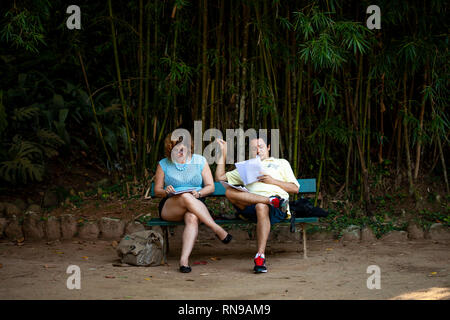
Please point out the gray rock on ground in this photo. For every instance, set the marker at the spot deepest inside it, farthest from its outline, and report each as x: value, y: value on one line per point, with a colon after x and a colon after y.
x: 12, y: 210
x: 415, y: 232
x: 14, y: 231
x: 134, y: 226
x: 69, y: 226
x: 367, y: 235
x: 318, y: 235
x: 53, y: 228
x: 2, y: 208
x: 50, y: 199
x: 19, y: 203
x: 88, y: 230
x: 3, y: 225
x: 34, y: 208
x: 33, y: 227
x: 439, y: 232
x: 395, y: 236
x: 351, y: 233
x: 111, y: 228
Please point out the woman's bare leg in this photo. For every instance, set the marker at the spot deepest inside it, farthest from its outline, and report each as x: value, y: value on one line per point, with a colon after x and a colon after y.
x: 190, y: 233
x: 176, y: 206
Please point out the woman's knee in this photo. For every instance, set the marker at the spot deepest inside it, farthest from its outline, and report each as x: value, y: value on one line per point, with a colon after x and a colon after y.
x: 187, y: 197
x: 190, y: 218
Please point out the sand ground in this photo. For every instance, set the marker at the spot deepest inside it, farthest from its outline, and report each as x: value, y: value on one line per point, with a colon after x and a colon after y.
x: 334, y: 270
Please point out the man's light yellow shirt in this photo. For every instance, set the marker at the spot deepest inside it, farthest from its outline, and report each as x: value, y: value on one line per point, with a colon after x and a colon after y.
x: 279, y: 169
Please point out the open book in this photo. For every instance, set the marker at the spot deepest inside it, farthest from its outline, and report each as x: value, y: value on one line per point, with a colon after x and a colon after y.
x: 240, y: 188
x: 182, y: 191
x: 249, y: 170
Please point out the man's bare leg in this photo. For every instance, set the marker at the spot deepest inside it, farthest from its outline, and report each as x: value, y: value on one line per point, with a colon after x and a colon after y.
x: 242, y: 199
x: 262, y: 226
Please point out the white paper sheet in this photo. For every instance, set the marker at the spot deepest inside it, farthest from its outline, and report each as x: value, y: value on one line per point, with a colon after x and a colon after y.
x: 240, y: 188
x: 250, y: 170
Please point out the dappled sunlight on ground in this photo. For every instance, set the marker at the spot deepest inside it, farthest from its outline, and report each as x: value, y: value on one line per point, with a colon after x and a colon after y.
x: 427, y: 294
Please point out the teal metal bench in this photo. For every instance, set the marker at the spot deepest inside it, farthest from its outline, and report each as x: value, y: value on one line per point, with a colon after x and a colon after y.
x: 306, y: 186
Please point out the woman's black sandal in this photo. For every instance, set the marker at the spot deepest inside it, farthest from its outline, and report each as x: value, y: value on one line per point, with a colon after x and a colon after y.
x: 227, y: 238
x: 185, y: 269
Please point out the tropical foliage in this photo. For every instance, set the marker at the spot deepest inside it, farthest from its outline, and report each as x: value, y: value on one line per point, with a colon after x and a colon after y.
x: 349, y: 101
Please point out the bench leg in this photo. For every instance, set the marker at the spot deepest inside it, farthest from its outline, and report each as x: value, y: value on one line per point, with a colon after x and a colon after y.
x: 304, y: 240
x: 166, y: 243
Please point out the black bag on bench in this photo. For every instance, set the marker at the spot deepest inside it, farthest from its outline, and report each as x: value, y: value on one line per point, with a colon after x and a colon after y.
x: 302, y: 208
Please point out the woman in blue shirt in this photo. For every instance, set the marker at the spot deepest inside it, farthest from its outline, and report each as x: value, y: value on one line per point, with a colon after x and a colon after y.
x: 182, y: 170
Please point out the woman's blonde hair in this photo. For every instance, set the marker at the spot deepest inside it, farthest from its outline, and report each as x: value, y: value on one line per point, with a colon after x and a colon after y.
x: 169, y: 144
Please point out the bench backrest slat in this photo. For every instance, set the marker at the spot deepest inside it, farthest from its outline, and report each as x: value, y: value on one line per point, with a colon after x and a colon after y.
x: 306, y: 186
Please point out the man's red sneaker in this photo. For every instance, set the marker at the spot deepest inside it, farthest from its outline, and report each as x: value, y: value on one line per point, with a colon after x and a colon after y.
x: 278, y: 202
x: 260, y: 264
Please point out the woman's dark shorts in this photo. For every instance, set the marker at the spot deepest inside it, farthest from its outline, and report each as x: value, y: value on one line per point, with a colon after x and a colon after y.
x: 249, y: 213
x: 163, y: 201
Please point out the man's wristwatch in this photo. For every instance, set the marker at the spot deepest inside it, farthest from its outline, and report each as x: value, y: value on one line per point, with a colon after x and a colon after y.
x: 199, y: 194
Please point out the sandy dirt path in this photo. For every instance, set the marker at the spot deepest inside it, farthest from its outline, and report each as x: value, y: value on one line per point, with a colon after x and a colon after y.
x: 409, y: 270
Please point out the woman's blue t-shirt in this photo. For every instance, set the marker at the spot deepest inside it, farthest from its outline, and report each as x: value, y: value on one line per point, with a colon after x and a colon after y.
x: 184, y: 176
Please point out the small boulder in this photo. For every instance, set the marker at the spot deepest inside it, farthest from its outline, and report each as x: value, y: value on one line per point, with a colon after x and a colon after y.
x: 439, y: 232
x: 33, y: 227
x: 320, y: 235
x: 14, y: 230
x: 34, y: 208
x: 2, y: 208
x: 111, y: 228
x: 395, y: 236
x: 367, y: 235
x: 19, y: 203
x: 53, y: 228
x: 50, y: 199
x: 351, y: 233
x: 12, y: 210
x: 69, y: 226
x: 134, y: 226
x: 88, y: 230
x: 414, y: 232
x: 3, y: 225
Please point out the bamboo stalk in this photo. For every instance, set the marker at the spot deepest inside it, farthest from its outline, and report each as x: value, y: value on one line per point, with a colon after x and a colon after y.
x: 146, y: 146
x: 406, y: 138
x: 204, y: 59
x: 122, y: 98
x: 99, y: 128
x: 422, y: 112
x: 141, y: 84
x: 297, y: 122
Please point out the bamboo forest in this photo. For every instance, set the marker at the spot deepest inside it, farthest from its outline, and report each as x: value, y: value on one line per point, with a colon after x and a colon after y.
x: 364, y: 111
